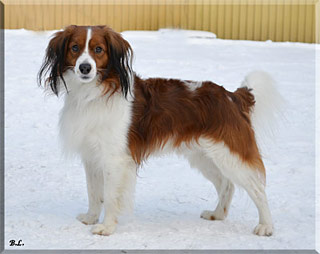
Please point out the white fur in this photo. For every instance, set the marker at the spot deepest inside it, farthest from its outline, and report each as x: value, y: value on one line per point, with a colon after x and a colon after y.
x: 234, y: 169
x: 193, y: 85
x: 268, y: 102
x: 96, y: 128
x: 224, y: 187
x: 224, y: 169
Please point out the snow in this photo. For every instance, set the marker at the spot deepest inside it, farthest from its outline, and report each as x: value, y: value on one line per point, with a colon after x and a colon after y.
x: 44, y: 192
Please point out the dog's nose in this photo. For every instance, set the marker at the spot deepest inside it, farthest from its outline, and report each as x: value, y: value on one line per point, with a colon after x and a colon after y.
x: 85, y: 68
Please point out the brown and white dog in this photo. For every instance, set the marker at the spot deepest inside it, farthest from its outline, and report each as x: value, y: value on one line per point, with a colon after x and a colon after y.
x: 115, y: 120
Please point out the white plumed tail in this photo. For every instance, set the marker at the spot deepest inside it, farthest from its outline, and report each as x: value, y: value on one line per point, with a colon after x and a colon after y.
x: 268, y: 103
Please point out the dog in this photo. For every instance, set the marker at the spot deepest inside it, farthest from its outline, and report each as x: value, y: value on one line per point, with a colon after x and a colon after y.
x: 114, y: 120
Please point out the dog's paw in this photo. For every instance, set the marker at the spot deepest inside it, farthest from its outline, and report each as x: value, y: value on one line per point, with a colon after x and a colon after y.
x: 101, y: 229
x: 87, y: 219
x: 212, y: 215
x: 263, y: 230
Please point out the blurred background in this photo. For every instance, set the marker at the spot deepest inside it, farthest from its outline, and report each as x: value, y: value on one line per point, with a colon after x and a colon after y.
x: 282, y: 20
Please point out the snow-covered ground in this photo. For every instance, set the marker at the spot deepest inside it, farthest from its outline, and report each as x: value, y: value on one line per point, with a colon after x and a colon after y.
x: 44, y: 192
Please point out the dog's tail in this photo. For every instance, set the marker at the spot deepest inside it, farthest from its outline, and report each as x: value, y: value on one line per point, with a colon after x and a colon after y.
x: 267, y: 102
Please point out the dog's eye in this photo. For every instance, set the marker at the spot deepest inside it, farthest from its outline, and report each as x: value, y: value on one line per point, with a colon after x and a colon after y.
x: 98, y: 50
x: 75, y: 48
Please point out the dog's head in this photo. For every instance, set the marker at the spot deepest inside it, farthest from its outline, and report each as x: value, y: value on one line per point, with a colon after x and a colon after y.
x: 91, y: 54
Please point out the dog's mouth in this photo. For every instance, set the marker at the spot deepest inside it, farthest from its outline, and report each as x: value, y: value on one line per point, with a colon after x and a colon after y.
x: 86, y: 78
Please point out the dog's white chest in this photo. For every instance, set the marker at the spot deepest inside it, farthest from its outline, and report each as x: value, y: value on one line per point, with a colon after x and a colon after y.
x: 95, y: 125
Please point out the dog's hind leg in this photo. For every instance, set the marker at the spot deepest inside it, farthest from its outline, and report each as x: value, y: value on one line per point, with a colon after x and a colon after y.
x: 224, y: 187
x: 247, y: 176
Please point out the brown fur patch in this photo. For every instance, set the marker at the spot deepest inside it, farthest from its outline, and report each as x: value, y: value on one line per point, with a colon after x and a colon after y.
x: 165, y: 109
x: 103, y: 36
x: 78, y: 37
x: 212, y: 217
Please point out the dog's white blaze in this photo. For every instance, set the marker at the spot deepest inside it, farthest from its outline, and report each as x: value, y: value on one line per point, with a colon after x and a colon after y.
x: 86, y: 50
x: 86, y: 58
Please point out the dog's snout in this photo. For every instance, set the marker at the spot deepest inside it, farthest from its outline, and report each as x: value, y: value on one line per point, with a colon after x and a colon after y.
x: 85, y: 68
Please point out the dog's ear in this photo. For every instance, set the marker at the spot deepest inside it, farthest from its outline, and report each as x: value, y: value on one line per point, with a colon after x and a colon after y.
x: 54, y: 61
x: 119, y: 58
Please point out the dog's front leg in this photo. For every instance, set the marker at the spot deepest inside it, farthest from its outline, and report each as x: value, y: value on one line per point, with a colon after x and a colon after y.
x: 119, y: 182
x: 94, y: 176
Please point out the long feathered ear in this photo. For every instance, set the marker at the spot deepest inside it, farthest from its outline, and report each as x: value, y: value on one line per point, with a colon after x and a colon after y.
x: 54, y: 64
x: 120, y: 59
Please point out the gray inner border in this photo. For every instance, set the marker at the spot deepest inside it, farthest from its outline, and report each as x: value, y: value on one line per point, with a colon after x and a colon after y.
x: 165, y: 251
x: 2, y: 126
x: 2, y: 243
